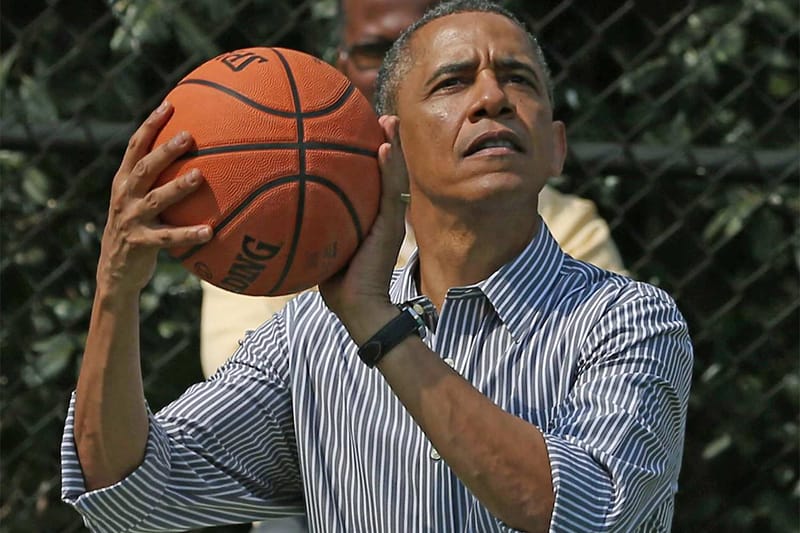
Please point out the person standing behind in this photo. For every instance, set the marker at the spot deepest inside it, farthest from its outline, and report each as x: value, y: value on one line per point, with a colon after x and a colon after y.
x: 367, y: 29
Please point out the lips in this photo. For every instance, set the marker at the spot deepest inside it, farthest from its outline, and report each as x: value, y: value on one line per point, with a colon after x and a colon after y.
x: 495, y: 139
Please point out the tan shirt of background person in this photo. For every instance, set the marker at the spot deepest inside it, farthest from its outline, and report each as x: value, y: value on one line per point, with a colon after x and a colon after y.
x: 368, y: 29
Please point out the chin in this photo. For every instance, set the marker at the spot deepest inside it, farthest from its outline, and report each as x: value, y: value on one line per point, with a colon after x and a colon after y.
x: 496, y: 191
x: 503, y: 184
x: 497, y: 185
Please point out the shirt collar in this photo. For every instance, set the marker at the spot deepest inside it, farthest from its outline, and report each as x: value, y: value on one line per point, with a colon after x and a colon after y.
x: 518, y: 290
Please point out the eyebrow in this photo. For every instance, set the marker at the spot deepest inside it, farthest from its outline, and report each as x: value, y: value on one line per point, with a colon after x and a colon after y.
x: 450, y: 68
x: 505, y: 63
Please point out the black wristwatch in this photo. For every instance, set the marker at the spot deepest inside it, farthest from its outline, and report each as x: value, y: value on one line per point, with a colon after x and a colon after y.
x: 410, y: 321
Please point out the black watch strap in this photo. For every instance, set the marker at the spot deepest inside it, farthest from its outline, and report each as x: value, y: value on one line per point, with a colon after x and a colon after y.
x: 408, y: 322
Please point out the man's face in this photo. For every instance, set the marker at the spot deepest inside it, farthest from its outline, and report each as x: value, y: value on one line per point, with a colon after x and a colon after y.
x: 475, y: 116
x: 370, y: 28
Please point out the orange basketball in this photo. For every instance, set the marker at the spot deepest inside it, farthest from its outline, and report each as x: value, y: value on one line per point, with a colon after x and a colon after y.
x: 288, y: 148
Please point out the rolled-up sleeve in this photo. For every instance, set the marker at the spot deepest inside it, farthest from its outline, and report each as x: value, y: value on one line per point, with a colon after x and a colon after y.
x: 615, y: 444
x: 224, y: 452
x: 131, y: 499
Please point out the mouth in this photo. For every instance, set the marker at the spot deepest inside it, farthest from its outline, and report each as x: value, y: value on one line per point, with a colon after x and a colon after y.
x: 495, y: 143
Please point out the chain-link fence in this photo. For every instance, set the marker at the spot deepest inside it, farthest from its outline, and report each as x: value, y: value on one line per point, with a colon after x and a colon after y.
x: 683, y: 122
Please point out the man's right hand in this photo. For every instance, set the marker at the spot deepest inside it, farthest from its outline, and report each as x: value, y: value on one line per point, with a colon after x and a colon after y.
x: 111, y: 424
x: 133, y: 232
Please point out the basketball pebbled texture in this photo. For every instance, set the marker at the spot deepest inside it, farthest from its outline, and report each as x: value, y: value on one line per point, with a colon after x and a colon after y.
x: 288, y: 149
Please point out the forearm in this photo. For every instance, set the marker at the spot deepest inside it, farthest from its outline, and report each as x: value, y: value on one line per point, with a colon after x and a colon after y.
x: 111, y: 423
x: 501, y: 458
x: 110, y: 416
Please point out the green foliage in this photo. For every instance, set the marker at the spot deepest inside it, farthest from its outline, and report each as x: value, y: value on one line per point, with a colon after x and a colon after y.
x: 666, y: 75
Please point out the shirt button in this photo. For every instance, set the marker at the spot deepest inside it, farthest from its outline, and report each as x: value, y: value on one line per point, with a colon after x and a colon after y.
x: 435, y: 455
x: 450, y: 362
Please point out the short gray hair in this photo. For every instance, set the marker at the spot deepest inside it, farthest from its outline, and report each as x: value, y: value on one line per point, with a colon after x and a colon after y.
x: 398, y: 59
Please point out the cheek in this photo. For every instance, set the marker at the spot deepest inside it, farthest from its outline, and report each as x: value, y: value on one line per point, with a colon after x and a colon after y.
x: 538, y: 123
x: 425, y: 144
x: 414, y: 151
x: 440, y: 117
x: 427, y: 133
x: 434, y: 132
x: 542, y: 121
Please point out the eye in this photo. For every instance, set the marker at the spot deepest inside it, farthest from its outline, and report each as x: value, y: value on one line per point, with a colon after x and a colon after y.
x: 520, y: 79
x: 449, y: 83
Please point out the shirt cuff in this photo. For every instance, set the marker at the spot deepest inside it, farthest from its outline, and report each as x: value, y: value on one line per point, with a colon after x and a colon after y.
x: 128, y: 501
x: 583, y: 489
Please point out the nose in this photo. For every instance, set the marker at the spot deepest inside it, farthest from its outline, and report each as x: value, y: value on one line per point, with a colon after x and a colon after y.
x: 490, y: 99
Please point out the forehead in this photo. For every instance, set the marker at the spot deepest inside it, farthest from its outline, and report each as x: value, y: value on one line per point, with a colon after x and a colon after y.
x: 470, y: 36
x: 381, y: 18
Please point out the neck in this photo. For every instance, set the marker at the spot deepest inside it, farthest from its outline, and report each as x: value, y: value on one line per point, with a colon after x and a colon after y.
x: 456, y: 250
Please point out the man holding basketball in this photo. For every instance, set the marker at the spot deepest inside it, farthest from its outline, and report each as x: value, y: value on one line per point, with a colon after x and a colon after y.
x: 368, y: 29
x: 498, y: 384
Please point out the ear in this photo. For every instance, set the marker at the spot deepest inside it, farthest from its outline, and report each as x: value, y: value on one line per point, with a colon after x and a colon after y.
x: 559, y: 148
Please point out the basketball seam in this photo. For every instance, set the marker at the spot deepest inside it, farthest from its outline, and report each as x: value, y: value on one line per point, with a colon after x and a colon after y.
x: 284, y: 180
x: 270, y: 110
x: 332, y: 186
x: 239, y: 208
x: 252, y: 147
x: 301, y: 192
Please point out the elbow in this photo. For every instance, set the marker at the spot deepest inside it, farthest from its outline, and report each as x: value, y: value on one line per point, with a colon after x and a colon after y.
x: 529, y: 512
x: 95, y: 471
x: 100, y: 468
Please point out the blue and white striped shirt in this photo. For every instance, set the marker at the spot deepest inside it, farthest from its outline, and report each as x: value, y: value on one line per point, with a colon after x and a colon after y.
x: 294, y: 422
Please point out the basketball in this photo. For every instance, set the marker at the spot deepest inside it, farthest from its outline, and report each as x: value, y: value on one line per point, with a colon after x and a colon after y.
x: 288, y: 149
